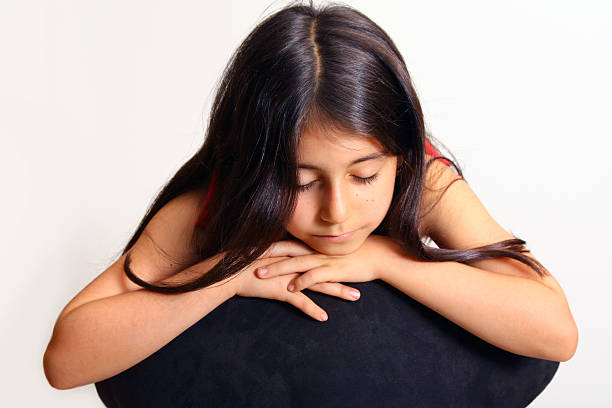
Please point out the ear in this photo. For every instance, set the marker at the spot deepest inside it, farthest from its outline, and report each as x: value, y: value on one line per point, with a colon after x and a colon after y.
x: 400, y: 161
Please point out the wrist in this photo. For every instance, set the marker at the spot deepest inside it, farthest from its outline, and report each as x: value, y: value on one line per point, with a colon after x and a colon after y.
x: 225, y: 289
x: 395, y: 260
x: 385, y: 252
x: 232, y: 284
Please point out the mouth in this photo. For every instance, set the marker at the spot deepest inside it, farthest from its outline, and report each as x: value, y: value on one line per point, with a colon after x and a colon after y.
x: 336, y: 238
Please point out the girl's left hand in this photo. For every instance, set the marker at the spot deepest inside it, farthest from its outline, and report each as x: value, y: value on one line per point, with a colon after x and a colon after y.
x: 363, y: 265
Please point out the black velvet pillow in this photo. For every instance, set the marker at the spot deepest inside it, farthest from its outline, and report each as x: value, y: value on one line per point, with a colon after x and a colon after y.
x: 383, y: 350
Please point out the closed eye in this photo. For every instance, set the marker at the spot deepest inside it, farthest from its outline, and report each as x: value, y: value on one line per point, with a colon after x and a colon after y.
x: 361, y: 180
x: 306, y: 187
x: 366, y: 180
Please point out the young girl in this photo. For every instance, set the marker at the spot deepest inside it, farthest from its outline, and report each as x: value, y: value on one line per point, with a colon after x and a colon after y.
x: 316, y: 171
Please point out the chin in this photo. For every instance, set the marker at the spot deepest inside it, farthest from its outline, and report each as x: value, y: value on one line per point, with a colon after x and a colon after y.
x: 335, y: 249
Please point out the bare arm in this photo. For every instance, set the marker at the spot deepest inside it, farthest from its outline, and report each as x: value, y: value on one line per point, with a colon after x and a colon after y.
x: 516, y: 314
x: 501, y: 300
x: 103, y: 337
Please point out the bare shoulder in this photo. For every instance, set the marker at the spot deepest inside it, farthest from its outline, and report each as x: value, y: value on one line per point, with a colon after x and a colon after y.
x: 438, y: 179
x: 454, y: 217
x: 171, y: 228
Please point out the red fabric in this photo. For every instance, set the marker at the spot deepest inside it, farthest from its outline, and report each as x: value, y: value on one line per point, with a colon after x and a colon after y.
x: 430, y: 150
x: 204, y: 212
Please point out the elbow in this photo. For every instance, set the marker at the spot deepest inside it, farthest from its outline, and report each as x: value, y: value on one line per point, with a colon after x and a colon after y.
x: 51, y: 371
x: 571, y: 343
x: 566, y: 345
x: 55, y: 371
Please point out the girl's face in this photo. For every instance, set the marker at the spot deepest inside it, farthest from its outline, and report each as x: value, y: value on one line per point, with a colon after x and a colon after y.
x: 346, y: 188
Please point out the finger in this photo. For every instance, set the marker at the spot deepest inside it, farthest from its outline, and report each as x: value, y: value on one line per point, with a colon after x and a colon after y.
x: 264, y: 262
x: 321, y: 274
x: 287, y: 248
x: 306, y: 305
x: 336, y: 289
x: 291, y: 265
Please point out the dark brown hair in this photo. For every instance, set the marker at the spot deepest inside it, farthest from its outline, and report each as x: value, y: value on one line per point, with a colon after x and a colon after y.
x: 305, y: 65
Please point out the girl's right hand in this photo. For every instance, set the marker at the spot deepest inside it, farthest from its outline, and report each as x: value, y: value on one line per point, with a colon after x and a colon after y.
x: 248, y: 284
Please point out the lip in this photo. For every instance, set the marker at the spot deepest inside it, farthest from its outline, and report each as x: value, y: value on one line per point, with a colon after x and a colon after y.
x: 336, y: 238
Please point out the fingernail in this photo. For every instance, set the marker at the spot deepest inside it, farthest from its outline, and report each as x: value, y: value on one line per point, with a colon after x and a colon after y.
x: 290, y: 288
x: 262, y: 271
x: 323, y: 316
x: 355, y: 294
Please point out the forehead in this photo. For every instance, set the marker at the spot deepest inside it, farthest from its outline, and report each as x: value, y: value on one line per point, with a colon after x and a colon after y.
x: 325, y: 141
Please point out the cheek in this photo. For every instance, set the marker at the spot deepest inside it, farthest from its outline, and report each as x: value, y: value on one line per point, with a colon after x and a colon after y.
x: 376, y: 203
x: 374, y: 208
x: 387, y: 194
x: 301, y: 217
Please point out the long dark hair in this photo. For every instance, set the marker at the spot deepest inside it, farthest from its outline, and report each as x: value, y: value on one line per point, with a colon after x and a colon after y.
x: 304, y: 65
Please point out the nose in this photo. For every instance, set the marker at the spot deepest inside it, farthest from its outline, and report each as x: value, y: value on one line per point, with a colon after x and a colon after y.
x: 335, y: 208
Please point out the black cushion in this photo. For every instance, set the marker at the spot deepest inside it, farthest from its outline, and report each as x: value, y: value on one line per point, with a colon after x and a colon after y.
x: 383, y: 350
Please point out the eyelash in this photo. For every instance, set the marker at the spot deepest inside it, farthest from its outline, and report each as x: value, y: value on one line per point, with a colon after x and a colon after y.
x: 362, y: 180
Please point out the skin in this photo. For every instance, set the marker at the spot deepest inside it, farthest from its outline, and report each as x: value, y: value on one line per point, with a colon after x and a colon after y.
x: 338, y: 195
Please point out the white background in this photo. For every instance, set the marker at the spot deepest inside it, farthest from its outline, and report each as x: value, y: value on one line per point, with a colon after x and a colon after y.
x: 102, y: 101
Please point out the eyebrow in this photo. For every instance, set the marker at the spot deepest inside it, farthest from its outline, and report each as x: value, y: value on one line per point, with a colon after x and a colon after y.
x: 373, y: 156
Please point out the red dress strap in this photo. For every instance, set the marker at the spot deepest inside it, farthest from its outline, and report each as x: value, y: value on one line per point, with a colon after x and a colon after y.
x: 431, y: 151
x: 204, y: 212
